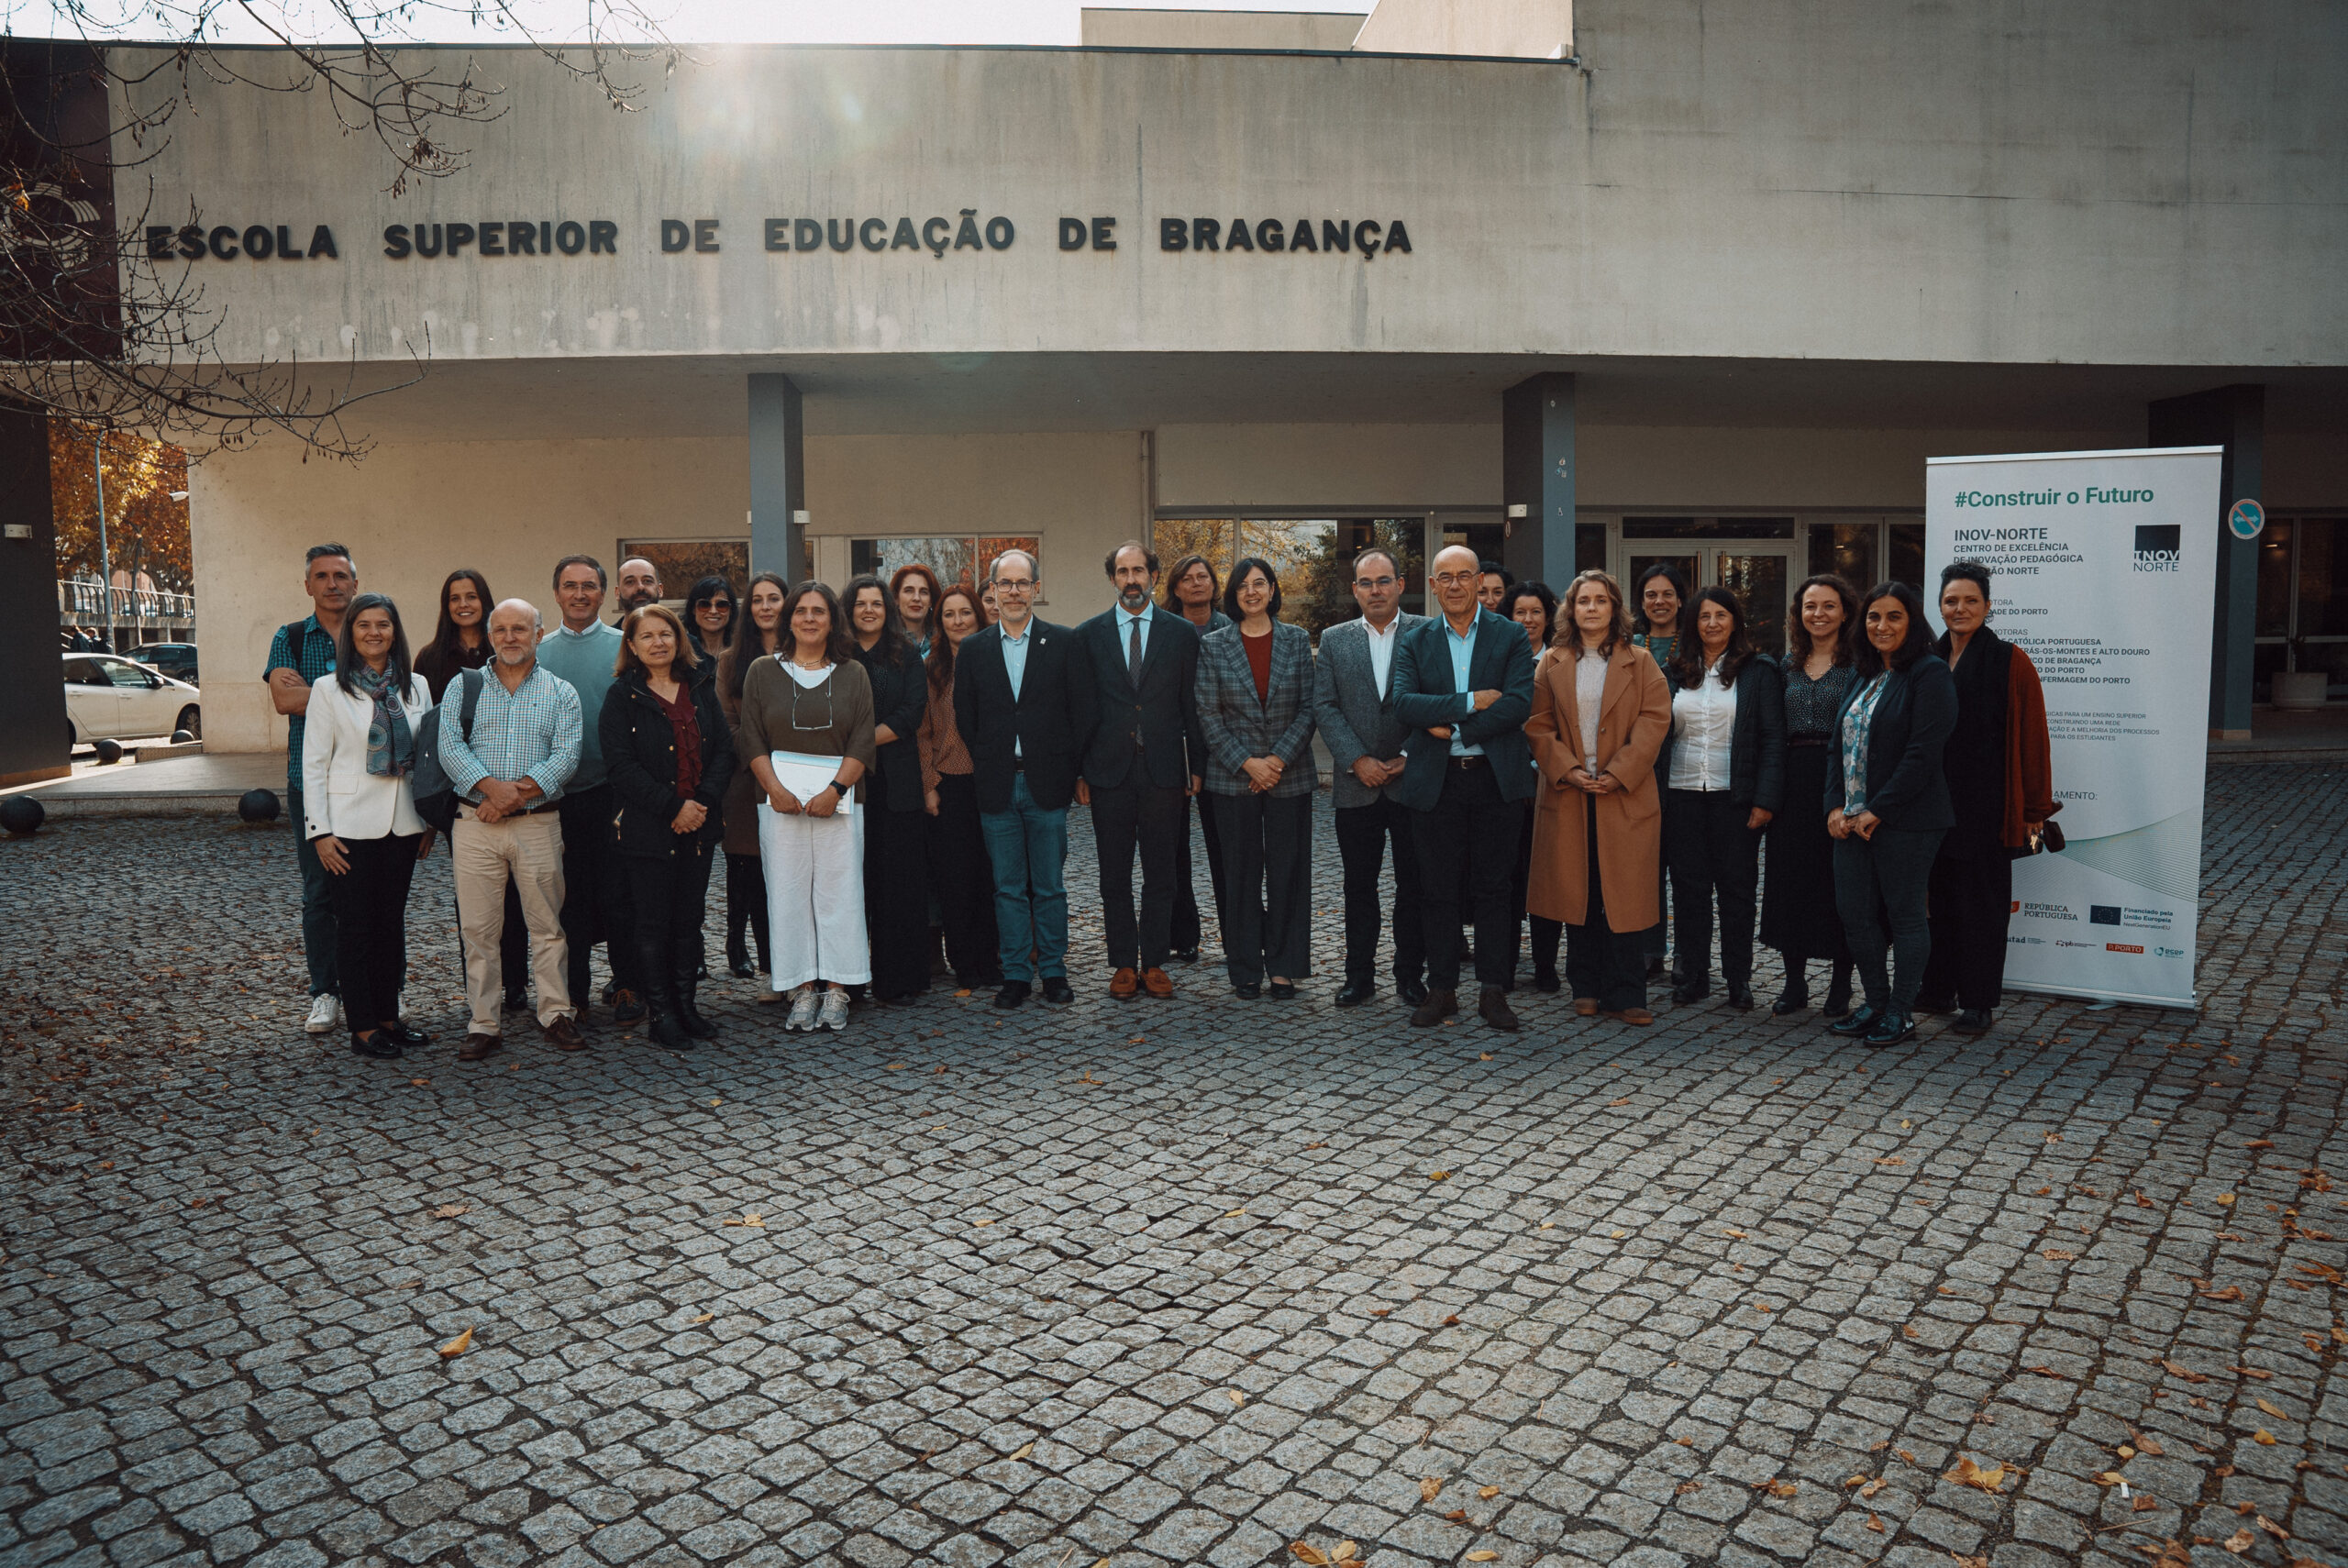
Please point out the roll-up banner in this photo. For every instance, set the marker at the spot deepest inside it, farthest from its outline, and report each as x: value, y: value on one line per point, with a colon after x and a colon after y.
x: 2102, y: 569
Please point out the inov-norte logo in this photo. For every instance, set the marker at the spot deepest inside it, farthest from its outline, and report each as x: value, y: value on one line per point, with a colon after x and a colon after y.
x: 2159, y: 546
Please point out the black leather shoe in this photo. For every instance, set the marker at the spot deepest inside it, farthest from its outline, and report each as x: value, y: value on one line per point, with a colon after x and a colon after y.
x: 1838, y: 1001
x: 1282, y: 990
x: 1935, y: 1004
x: 611, y: 992
x: 627, y: 1006
x: 742, y: 969
x: 1690, y: 991
x: 1791, y: 1001
x: 1438, y: 1005
x: 517, y: 1001
x: 1057, y: 991
x: 408, y: 1036
x: 1852, y: 1025
x: 1972, y: 1021
x: 1891, y: 1028
x: 379, y: 1047
x: 1013, y: 993
x: 689, y: 1012
x: 1247, y: 990
x: 1492, y: 1006
x: 1409, y: 993
x: 1545, y: 980
x: 1184, y: 954
x: 1355, y: 993
x: 1741, y: 998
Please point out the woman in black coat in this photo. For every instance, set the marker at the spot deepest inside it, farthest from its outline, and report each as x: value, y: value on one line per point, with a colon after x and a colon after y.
x: 1798, y: 915
x: 669, y: 754
x: 1724, y: 773
x: 1888, y: 807
x: 896, y: 823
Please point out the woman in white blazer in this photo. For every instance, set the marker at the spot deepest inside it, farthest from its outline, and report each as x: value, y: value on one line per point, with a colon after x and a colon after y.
x: 358, y: 759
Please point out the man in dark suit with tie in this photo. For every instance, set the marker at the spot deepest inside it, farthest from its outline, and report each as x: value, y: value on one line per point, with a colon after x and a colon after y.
x: 1144, y: 664
x: 1022, y: 702
x: 1463, y: 683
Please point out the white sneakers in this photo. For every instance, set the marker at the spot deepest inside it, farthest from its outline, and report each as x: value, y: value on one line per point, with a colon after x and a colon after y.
x: 326, y: 1015
x: 813, y: 1007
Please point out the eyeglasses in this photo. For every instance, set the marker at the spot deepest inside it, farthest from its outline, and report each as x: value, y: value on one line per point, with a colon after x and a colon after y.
x: 724, y: 606
x: 1455, y: 579
x: 797, y: 691
x: 1013, y: 585
x: 1374, y: 582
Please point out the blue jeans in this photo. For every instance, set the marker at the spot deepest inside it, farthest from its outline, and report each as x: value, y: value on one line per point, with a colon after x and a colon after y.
x: 318, y: 923
x: 1028, y: 846
x: 1880, y: 890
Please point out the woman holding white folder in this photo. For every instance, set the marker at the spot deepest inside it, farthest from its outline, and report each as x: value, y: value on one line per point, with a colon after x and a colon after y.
x: 806, y: 731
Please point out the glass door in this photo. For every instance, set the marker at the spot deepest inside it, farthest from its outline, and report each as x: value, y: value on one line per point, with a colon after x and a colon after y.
x: 1760, y: 577
x: 1751, y: 556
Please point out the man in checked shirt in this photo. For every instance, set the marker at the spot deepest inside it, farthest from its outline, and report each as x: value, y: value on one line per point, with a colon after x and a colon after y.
x: 524, y: 746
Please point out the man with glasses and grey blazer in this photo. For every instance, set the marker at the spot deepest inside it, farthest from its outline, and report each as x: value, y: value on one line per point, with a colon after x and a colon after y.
x: 1364, y: 742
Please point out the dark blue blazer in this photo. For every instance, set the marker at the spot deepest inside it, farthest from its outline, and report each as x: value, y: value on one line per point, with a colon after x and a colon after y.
x: 1907, y: 785
x: 1421, y: 695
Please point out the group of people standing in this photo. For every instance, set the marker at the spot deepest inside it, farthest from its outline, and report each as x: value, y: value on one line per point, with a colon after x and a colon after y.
x: 888, y: 773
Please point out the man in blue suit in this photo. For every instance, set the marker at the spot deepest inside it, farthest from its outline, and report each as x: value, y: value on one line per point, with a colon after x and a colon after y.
x: 1462, y: 683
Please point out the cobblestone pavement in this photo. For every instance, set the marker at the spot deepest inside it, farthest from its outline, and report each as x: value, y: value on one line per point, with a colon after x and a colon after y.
x: 1176, y: 1283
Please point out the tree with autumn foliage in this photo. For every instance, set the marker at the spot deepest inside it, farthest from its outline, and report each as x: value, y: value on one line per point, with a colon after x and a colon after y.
x: 146, y: 529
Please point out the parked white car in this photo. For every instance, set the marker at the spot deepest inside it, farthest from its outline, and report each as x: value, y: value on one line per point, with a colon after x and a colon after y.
x: 107, y: 697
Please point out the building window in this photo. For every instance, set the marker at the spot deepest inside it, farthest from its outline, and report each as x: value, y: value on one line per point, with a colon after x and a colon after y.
x: 1904, y: 554
x: 1847, y: 550
x: 2302, y: 619
x: 962, y: 559
x: 684, y: 562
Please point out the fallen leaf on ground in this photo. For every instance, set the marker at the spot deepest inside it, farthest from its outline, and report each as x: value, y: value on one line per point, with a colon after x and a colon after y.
x: 2271, y: 1527
x: 2144, y: 1504
x: 705, y: 1318
x: 2231, y: 1293
x: 2050, y: 1372
x: 2177, y: 1371
x: 1484, y: 1057
x: 2225, y: 1200
x: 457, y: 1346
x: 1968, y: 1473
x: 1483, y: 1556
x: 750, y: 1223
x: 1438, y: 1175
x: 1548, y: 1224
x: 2240, y: 1542
x: 2151, y: 1446
x: 1488, y: 1493
x: 1762, y: 1306
x: 1740, y: 1235
x: 1685, y: 1487
x: 1457, y: 1515
x: 450, y: 1211
x: 2260, y: 1143
x: 1684, y: 1441
x: 2109, y: 1478
x: 2058, y: 1254
x: 1380, y: 1311
x: 900, y: 1066
x: 1429, y: 1487
x: 2321, y: 1271
x: 1616, y: 1235
x: 1312, y: 1556
x: 1450, y: 1319
x: 1235, y: 1397
x: 981, y: 1225
x: 1310, y: 1146
x: 2251, y: 1372
x: 1872, y: 1487
x: 1874, y: 1524
x: 1024, y: 1451
x: 2264, y: 1437
x: 1235, y: 1213
x: 1347, y: 1552
x: 1624, y: 1100
x: 1890, y: 1160
x: 1782, y: 1488
x: 2270, y: 1410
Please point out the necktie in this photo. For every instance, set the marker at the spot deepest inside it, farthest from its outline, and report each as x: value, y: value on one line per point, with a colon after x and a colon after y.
x: 1133, y: 651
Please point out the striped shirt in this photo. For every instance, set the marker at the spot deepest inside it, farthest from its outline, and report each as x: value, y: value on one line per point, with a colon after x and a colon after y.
x: 532, y: 732
x: 314, y: 658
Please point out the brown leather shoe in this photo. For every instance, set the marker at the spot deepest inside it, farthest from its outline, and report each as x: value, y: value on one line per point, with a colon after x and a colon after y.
x: 1439, y: 1005
x: 563, y: 1035
x: 1157, y: 983
x: 1585, y: 1007
x: 1492, y: 1006
x: 1125, y: 986
x: 476, y: 1046
x: 1635, y: 1015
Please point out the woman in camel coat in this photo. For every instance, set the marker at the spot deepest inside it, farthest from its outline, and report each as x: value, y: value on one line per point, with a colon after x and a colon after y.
x: 1600, y: 712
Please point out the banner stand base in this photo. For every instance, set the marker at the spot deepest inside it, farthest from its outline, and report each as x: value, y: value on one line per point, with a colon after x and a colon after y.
x: 2101, y: 1001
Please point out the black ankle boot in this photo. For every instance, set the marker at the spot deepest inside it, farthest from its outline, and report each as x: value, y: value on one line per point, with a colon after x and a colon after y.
x: 689, y: 1012
x: 1838, y: 992
x: 667, y: 1026
x: 1795, y: 998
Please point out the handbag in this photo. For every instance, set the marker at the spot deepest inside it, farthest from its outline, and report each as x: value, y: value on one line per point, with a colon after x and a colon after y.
x: 436, y: 797
x: 2042, y: 838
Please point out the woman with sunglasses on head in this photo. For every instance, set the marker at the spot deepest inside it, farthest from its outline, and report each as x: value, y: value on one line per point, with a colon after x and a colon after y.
x: 962, y: 875
x: 669, y: 756
x: 1190, y: 592
x: 1888, y: 807
x: 1798, y: 915
x: 460, y: 643
x: 896, y: 860
x: 1724, y: 774
x: 762, y: 633
x: 1532, y: 606
x: 814, y: 700
x: 709, y: 623
x: 359, y: 754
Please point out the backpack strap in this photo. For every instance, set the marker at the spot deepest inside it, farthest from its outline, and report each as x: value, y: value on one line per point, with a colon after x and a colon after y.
x: 472, y: 700
x: 292, y: 632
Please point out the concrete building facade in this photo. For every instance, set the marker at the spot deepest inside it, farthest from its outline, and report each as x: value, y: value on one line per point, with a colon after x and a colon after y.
x: 1656, y: 280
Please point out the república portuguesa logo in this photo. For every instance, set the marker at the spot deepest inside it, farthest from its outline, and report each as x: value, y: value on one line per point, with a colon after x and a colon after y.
x: 2159, y: 546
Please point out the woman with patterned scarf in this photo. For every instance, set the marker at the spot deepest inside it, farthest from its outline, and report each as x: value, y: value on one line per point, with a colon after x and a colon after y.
x: 359, y: 757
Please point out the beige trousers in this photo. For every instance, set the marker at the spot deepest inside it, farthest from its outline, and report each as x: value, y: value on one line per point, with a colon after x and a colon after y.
x: 530, y: 849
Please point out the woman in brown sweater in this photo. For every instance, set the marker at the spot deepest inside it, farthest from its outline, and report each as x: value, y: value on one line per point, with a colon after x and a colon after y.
x: 961, y: 878
x: 812, y: 701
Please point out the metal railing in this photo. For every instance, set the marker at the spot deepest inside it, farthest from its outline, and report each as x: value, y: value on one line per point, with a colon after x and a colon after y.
x: 83, y: 602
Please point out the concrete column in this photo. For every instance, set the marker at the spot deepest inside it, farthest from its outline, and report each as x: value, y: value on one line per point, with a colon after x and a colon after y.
x: 2234, y: 416
x: 1538, y: 476
x: 778, y: 480
x: 32, y: 692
